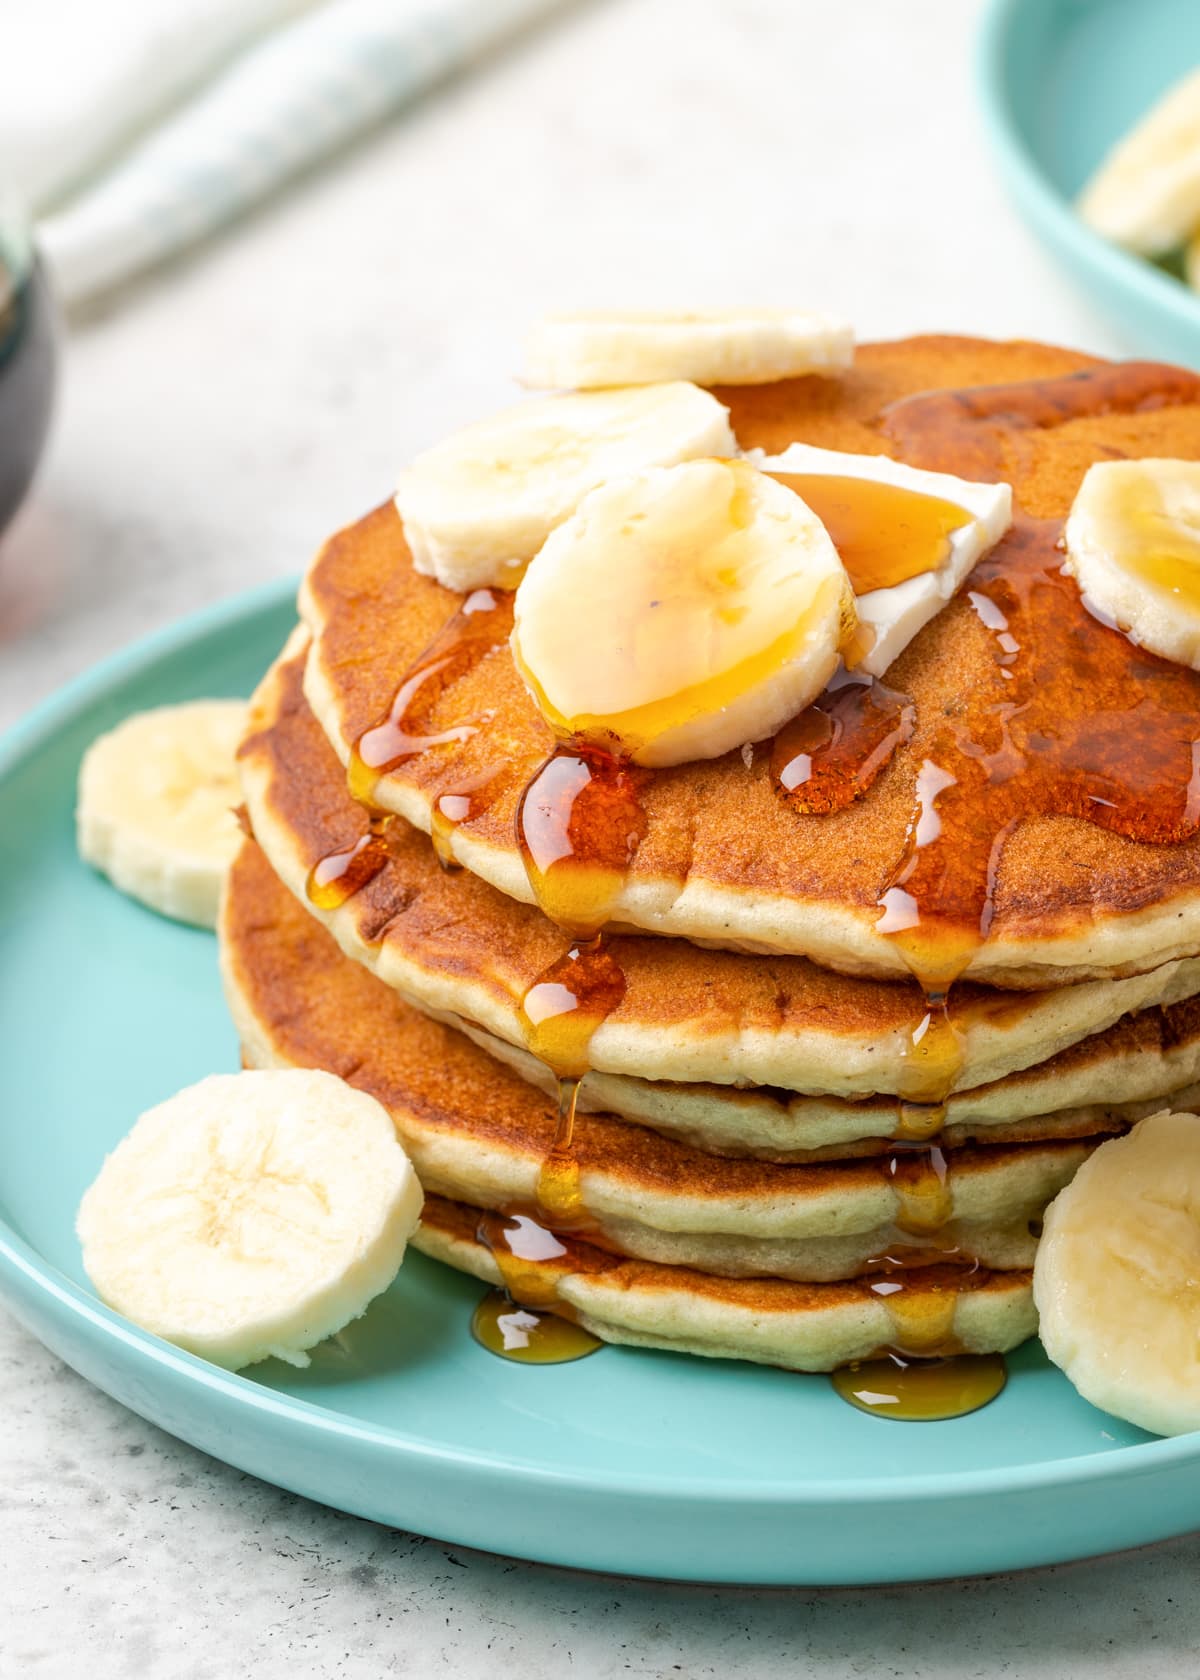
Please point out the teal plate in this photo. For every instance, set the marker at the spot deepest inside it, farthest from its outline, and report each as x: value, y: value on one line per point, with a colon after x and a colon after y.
x: 641, y: 1463
x: 1060, y: 81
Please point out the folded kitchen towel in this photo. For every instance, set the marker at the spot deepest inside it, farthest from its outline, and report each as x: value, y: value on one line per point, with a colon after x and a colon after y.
x: 289, y: 98
x: 80, y: 78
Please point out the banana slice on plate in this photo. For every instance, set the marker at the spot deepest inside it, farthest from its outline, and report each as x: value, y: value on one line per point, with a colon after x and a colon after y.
x: 252, y: 1215
x: 1133, y: 547
x: 713, y: 347
x: 477, y: 507
x: 156, y: 802
x: 1117, y: 1276
x: 1146, y: 193
x: 716, y: 606
x: 1191, y: 261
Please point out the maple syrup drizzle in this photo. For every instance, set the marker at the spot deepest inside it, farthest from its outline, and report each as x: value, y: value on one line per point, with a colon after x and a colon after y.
x: 480, y: 625
x: 970, y: 432
x: 407, y: 729
x: 1020, y: 748
x: 528, y: 1336
x: 922, y: 1317
x: 1021, y: 745
x: 579, y: 824
x: 884, y: 533
x: 831, y: 752
x: 467, y: 798
x: 921, y: 1390
x: 560, y: 1012
x: 918, y: 1174
x: 335, y: 878
x: 525, y: 1320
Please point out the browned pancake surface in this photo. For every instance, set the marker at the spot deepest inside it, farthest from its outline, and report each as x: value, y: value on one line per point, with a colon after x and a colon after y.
x: 751, y: 1295
x: 723, y: 824
x: 451, y: 934
x: 322, y: 1010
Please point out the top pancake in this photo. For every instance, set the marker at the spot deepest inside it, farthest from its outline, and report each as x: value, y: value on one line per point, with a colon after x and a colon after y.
x: 453, y: 946
x: 725, y: 859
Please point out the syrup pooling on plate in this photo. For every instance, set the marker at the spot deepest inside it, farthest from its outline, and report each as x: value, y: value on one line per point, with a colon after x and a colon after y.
x: 480, y: 626
x: 526, y: 1336
x: 884, y: 533
x: 526, y: 1321
x: 924, y: 1391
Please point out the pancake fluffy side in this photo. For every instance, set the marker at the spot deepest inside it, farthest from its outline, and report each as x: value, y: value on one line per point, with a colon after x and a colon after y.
x: 725, y: 859
x: 479, y: 1133
x: 454, y: 945
x: 771, y: 1321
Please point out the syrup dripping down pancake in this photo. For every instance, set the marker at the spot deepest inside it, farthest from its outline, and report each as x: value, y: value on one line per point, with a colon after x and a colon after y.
x: 478, y: 1133
x: 771, y: 1321
x: 1081, y: 865
x: 453, y: 945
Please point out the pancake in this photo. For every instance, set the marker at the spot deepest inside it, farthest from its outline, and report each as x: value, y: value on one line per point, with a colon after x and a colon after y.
x: 478, y: 1133
x: 1101, y: 728
x: 802, y: 1327
x: 1103, y: 1084
x: 453, y: 945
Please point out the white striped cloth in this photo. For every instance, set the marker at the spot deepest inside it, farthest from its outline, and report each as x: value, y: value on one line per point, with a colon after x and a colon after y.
x: 300, y: 79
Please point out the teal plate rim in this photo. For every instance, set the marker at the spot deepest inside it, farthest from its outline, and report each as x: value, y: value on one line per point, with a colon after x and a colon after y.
x: 1141, y: 296
x: 644, y: 1524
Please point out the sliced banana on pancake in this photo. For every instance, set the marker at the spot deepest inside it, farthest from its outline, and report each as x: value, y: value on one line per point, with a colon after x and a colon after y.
x: 716, y: 606
x: 156, y: 802
x: 713, y: 347
x: 907, y: 538
x: 1117, y: 1277
x: 477, y: 507
x: 1133, y: 546
x: 1146, y: 193
x: 251, y: 1216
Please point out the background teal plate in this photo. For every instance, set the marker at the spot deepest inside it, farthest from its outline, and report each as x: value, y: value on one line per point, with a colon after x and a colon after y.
x: 1060, y: 81
x: 643, y: 1463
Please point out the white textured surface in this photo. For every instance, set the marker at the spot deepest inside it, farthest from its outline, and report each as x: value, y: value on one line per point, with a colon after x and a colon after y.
x: 213, y: 429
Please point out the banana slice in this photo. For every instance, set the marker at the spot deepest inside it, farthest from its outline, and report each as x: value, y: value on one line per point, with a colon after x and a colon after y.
x: 1146, y: 193
x: 1191, y: 261
x: 156, y: 802
x: 477, y: 507
x: 713, y: 347
x: 1133, y: 546
x: 1117, y: 1276
x: 908, y: 538
x: 251, y: 1215
x: 715, y: 606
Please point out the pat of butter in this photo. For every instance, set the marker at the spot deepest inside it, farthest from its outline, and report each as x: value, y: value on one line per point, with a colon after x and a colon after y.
x: 891, y: 616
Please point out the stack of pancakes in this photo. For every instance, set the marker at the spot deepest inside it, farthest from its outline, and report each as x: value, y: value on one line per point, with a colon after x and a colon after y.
x: 764, y: 1164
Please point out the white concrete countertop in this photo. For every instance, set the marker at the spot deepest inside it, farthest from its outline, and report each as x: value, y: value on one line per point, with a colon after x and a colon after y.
x: 222, y: 418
